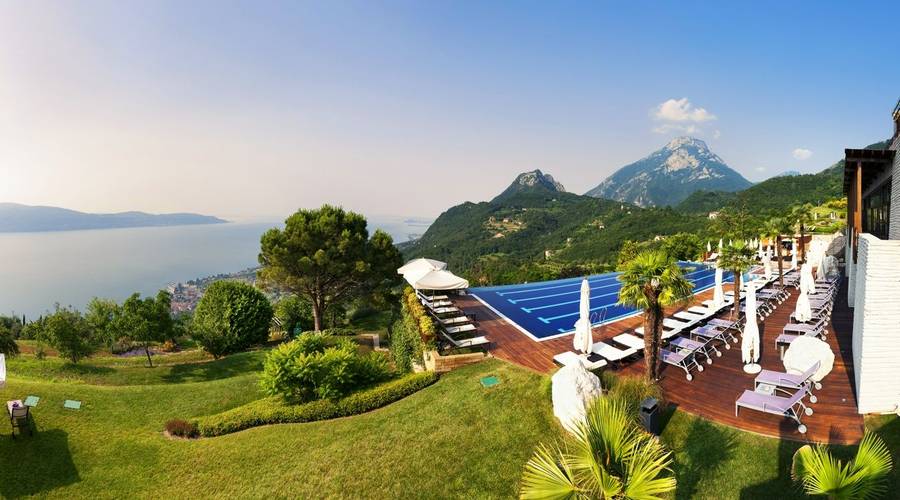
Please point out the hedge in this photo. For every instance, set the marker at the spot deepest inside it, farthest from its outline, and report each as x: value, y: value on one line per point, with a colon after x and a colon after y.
x: 273, y: 410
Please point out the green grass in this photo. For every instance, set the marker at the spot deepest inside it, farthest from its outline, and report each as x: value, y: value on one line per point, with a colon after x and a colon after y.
x: 186, y: 366
x: 454, y: 439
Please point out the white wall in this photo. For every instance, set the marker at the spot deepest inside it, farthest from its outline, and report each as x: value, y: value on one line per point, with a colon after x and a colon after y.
x: 894, y: 229
x: 876, y: 325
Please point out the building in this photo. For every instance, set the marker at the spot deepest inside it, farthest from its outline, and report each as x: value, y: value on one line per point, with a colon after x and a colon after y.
x: 872, y: 256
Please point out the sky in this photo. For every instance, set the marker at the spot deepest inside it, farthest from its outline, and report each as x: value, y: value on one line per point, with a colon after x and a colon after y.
x: 256, y: 109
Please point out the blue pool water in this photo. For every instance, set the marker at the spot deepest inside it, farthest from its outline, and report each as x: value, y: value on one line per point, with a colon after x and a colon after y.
x: 549, y: 309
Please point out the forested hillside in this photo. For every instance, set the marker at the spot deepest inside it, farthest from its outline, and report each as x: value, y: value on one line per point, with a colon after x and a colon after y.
x: 777, y: 194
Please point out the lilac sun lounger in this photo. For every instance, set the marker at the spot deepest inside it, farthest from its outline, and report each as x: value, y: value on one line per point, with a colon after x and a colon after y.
x: 785, y: 380
x: 704, y: 348
x: 711, y: 334
x: 791, y: 407
x: 682, y: 359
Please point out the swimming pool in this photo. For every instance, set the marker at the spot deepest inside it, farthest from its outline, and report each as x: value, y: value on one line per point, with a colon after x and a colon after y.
x: 548, y: 309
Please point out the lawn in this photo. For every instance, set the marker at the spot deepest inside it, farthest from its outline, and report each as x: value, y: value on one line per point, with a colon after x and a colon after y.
x: 453, y: 439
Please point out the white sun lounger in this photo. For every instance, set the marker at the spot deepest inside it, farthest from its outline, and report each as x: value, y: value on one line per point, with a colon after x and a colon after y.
x: 472, y: 342
x: 456, y: 320
x: 452, y: 330
x: 612, y: 354
x: 691, y: 317
x: 445, y: 310
x: 630, y: 341
x: 567, y: 358
x: 667, y: 333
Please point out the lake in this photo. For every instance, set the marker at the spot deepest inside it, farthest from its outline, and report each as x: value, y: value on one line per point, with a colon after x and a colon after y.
x: 70, y: 267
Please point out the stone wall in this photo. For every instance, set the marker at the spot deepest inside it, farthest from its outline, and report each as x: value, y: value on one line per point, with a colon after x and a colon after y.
x: 435, y: 362
x: 876, y: 325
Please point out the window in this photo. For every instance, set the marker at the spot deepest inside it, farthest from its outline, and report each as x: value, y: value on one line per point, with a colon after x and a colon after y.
x: 876, y: 212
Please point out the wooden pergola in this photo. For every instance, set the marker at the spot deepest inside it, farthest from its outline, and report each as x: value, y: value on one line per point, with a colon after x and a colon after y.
x: 862, y: 167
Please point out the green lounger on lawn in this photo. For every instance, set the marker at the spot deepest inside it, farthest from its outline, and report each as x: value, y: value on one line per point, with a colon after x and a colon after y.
x: 72, y: 405
x: 32, y: 401
x: 490, y: 381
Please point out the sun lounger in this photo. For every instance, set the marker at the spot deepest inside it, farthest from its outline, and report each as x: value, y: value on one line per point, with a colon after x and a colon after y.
x: 456, y: 320
x: 445, y: 310
x: 681, y: 358
x: 18, y: 416
x: 667, y: 333
x: 453, y: 330
x: 690, y: 317
x: 460, y: 344
x: 629, y: 340
x: 711, y: 333
x: 436, y: 304
x: 612, y: 354
x: 705, y: 311
x: 791, y: 407
x: 592, y: 362
x: 725, y: 324
x: 791, y: 381
x: 675, y: 324
x: 816, y: 326
x: 697, y: 347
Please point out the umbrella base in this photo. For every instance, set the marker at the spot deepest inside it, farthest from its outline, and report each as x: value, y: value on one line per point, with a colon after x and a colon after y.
x: 752, y: 368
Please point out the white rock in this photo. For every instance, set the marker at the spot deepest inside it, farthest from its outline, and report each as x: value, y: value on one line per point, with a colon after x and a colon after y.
x: 574, y: 388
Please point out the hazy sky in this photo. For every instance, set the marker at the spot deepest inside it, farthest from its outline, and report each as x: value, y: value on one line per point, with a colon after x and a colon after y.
x: 258, y: 108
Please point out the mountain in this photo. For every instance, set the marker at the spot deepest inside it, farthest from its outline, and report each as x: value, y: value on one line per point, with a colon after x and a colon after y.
x: 669, y: 175
x: 535, y: 222
x: 25, y: 218
x: 776, y: 194
x: 788, y: 173
x: 531, y: 182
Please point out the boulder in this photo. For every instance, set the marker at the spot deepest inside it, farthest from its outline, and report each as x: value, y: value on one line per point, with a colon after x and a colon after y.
x: 574, y: 389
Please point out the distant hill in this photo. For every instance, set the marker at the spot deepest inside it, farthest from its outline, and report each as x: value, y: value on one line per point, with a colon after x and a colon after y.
x: 670, y: 175
x: 531, y: 182
x: 25, y: 218
x: 776, y: 194
x: 526, y: 225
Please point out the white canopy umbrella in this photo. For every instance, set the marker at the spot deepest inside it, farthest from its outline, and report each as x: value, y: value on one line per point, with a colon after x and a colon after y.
x: 420, y: 264
x: 750, y: 338
x: 584, y: 339
x: 803, y: 352
x: 438, y: 280
x: 718, y: 293
x: 2, y: 371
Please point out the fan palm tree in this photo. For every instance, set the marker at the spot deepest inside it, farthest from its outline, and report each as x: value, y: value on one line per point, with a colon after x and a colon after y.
x: 652, y: 281
x: 737, y: 258
x: 775, y: 228
x: 608, y: 456
x: 865, y: 477
x: 802, y: 215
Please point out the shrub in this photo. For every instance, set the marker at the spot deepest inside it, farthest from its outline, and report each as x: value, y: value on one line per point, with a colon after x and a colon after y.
x: 182, y: 428
x: 305, y: 369
x: 231, y: 317
x: 414, y: 333
x: 8, y: 345
x: 274, y: 410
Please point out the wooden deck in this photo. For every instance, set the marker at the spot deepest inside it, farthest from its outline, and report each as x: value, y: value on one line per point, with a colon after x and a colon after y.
x: 712, y: 393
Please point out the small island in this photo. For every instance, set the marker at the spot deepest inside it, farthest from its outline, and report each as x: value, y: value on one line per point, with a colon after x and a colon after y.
x: 17, y: 218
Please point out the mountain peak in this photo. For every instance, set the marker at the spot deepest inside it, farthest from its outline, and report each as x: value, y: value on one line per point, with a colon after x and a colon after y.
x: 669, y: 175
x: 533, y: 181
x: 683, y: 141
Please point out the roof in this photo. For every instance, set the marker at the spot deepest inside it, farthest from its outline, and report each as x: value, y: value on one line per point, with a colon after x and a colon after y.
x: 874, y: 163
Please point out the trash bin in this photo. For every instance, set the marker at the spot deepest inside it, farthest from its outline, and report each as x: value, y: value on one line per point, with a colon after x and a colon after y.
x: 649, y: 414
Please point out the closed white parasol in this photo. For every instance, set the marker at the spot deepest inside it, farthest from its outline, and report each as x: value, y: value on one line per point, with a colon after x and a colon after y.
x: 767, y: 266
x: 718, y: 292
x: 584, y: 339
x: 750, y: 338
x: 803, y: 311
x: 2, y: 371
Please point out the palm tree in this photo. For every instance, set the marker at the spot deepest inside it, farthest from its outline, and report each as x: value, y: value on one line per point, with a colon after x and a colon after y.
x: 802, y: 214
x: 608, y: 456
x: 737, y: 258
x: 775, y: 228
x: 652, y: 281
x: 865, y: 477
